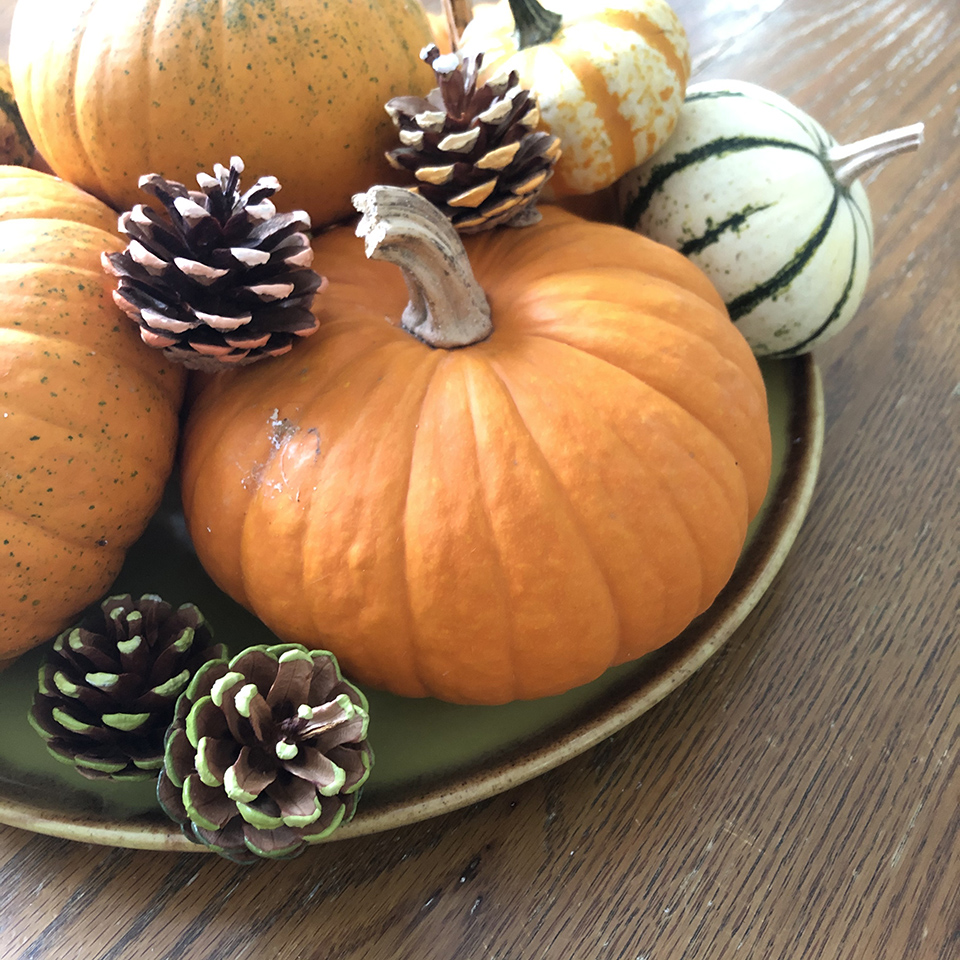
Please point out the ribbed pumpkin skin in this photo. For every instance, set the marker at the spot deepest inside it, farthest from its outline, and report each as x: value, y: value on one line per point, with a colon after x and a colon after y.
x: 89, y: 414
x: 113, y: 89
x: 610, y: 84
x: 503, y: 520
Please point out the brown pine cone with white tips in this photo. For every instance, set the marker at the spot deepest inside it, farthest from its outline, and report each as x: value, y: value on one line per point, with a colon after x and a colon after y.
x: 223, y: 279
x: 475, y: 150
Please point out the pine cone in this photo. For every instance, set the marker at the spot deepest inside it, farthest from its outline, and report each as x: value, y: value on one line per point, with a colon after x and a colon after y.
x: 266, y: 753
x: 475, y: 151
x: 224, y: 279
x: 110, y: 684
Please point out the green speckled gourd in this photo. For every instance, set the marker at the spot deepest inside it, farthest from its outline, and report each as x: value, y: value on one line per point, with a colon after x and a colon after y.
x: 88, y: 413
x: 112, y: 89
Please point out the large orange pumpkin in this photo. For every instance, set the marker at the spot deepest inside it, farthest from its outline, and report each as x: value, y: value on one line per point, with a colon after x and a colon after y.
x: 499, y: 520
x: 112, y: 89
x: 88, y: 426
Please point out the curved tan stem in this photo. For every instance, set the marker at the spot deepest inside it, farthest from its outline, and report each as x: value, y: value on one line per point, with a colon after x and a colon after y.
x: 447, y: 307
x: 853, y: 159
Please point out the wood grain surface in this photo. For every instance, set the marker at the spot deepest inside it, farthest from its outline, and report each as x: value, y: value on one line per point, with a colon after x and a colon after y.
x: 798, y: 797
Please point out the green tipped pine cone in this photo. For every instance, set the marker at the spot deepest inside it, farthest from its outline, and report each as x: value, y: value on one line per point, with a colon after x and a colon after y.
x: 475, y: 151
x: 266, y: 753
x: 109, y: 686
x: 223, y: 279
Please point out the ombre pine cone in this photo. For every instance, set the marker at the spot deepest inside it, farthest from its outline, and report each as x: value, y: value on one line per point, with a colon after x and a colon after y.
x: 223, y: 279
x: 108, y: 687
x: 475, y: 150
x: 266, y: 753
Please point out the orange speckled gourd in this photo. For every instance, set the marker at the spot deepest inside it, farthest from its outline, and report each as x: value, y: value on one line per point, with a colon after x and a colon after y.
x: 113, y: 89
x: 88, y: 414
x: 495, y: 521
x: 609, y: 75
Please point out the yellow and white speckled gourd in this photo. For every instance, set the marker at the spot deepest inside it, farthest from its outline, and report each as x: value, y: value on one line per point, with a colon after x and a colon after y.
x: 609, y: 76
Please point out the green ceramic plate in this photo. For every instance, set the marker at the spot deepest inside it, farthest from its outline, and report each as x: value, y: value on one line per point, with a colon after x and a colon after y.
x: 432, y: 757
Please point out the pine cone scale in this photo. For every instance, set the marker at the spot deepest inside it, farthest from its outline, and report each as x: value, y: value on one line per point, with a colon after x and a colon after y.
x: 249, y: 775
x: 291, y: 682
x: 262, y: 812
x: 207, y: 806
x: 205, y: 719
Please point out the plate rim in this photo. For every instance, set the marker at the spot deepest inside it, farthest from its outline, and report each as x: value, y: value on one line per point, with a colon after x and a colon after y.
x: 532, y: 757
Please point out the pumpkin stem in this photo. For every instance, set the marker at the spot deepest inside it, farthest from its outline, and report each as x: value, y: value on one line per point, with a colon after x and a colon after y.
x: 458, y: 13
x: 447, y: 307
x: 849, y: 161
x: 535, y: 24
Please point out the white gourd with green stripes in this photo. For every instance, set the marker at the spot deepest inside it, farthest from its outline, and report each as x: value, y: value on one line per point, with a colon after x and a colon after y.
x: 747, y: 189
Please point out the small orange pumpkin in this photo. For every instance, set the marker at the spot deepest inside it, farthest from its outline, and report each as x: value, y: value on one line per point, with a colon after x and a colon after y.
x: 89, y: 414
x: 555, y: 489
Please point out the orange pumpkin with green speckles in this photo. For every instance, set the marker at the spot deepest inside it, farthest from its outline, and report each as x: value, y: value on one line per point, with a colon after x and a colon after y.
x: 296, y: 87
x: 88, y: 414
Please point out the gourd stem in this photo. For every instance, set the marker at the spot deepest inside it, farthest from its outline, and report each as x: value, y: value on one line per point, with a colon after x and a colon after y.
x: 458, y: 13
x: 534, y: 23
x: 849, y: 161
x: 447, y: 307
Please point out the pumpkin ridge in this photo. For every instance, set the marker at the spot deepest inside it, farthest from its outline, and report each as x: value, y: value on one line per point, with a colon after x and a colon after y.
x: 672, y: 399
x: 733, y: 351
x: 496, y: 369
x: 538, y: 295
x: 567, y: 387
x: 392, y: 352
x: 157, y: 389
x: 721, y: 146
x: 511, y: 653
x: 434, y: 358
x: 225, y: 411
x: 809, y: 129
x: 117, y: 544
x: 693, y: 416
x: 66, y: 86
x: 858, y: 211
x: 154, y: 86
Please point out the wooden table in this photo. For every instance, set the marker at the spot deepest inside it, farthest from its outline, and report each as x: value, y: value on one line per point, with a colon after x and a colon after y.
x: 798, y: 797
